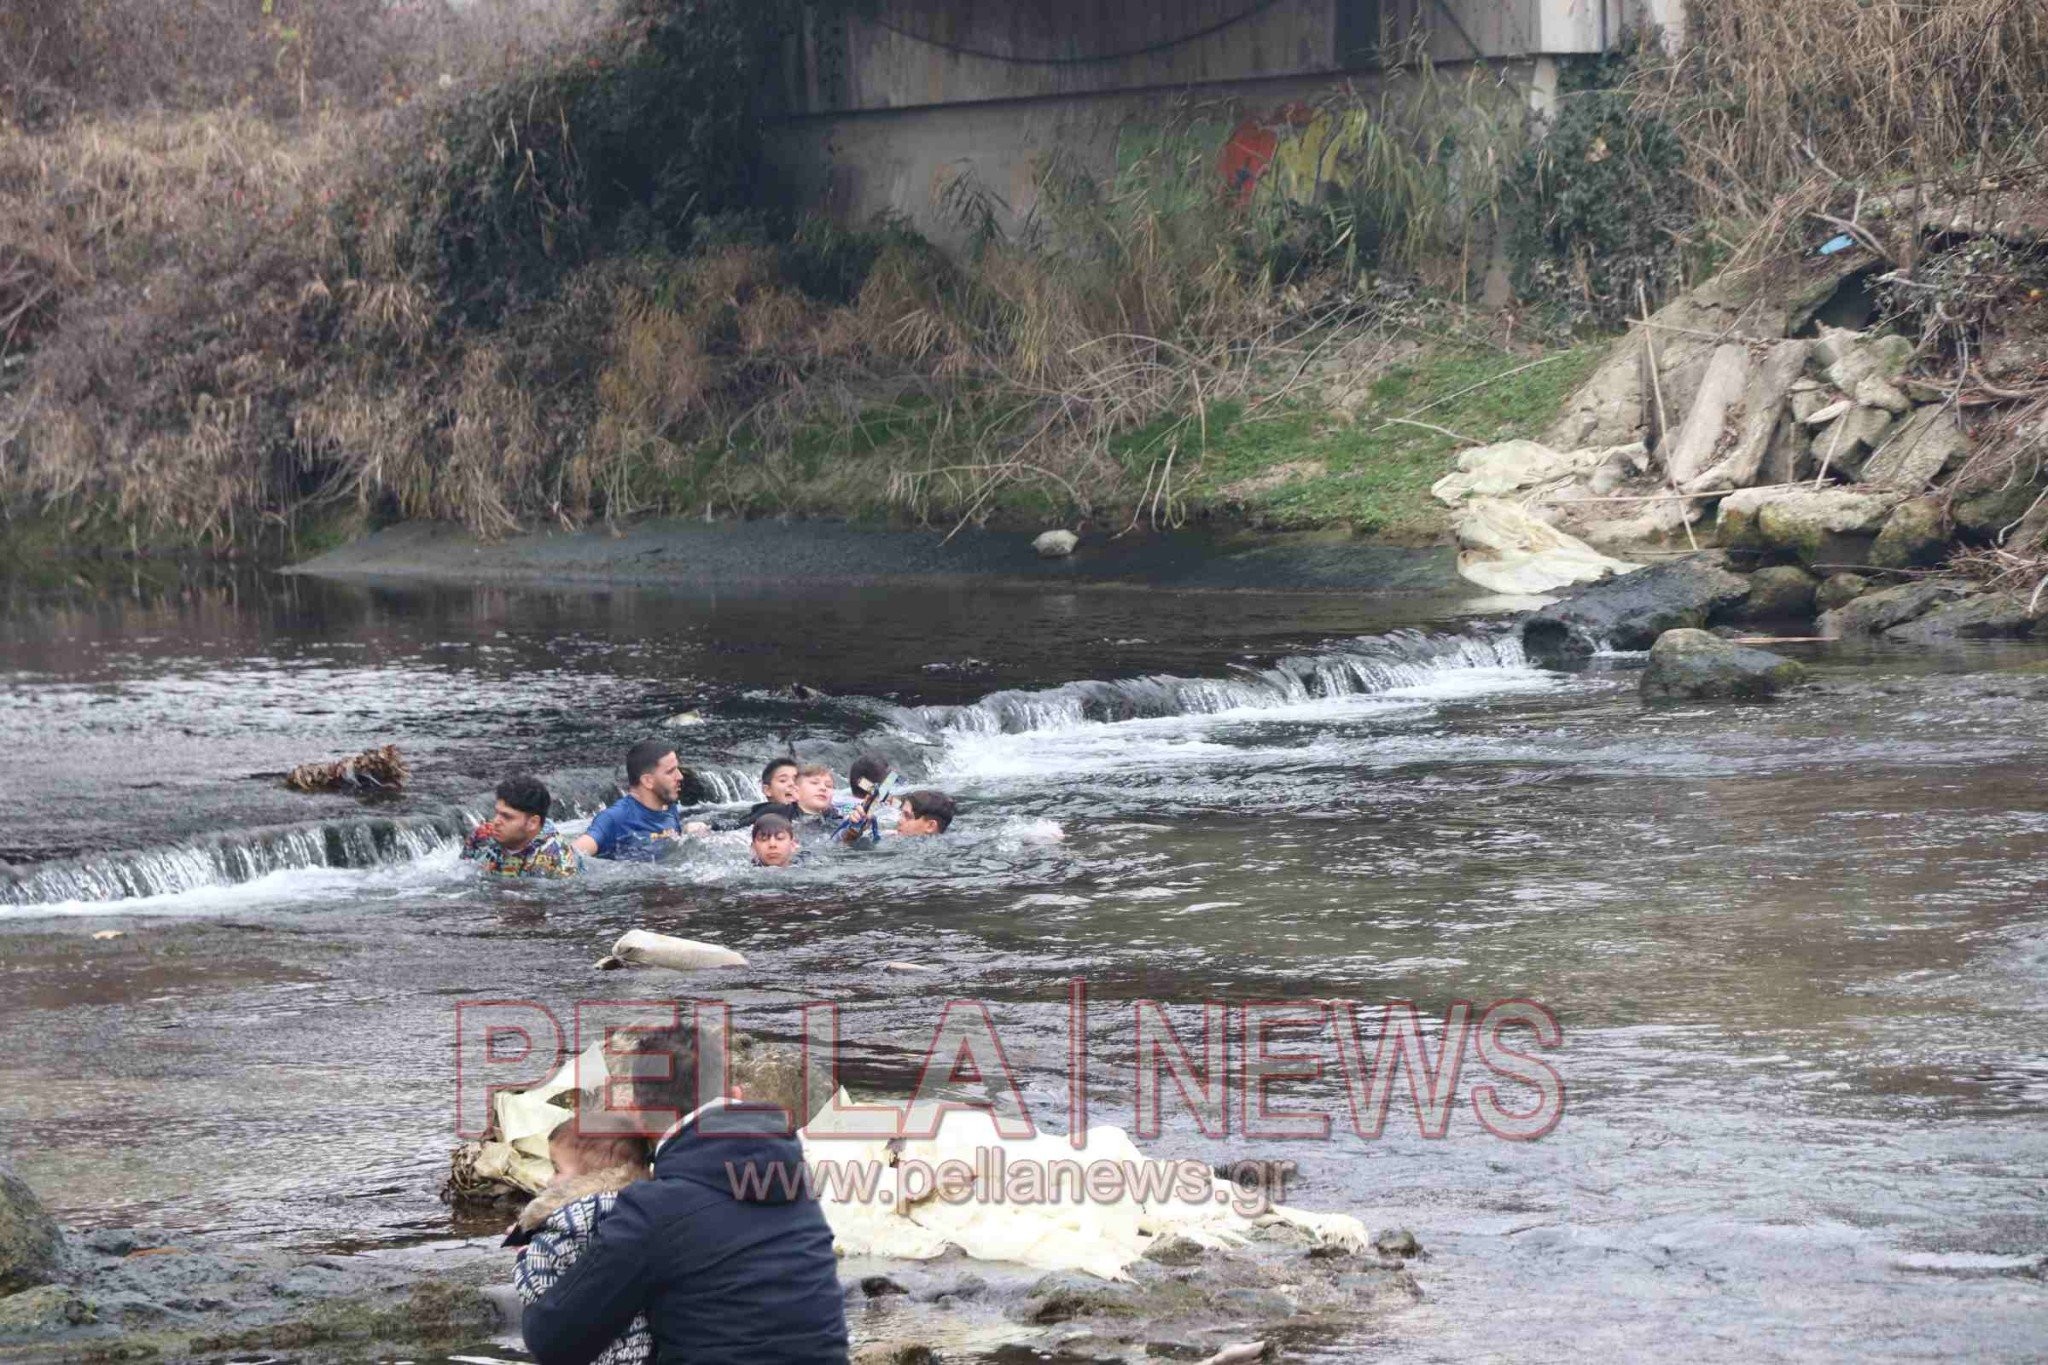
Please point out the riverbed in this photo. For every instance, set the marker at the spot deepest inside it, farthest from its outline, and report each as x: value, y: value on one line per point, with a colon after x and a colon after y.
x: 1796, y: 951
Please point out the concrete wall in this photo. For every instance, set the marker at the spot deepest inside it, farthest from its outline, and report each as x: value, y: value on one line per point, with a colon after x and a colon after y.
x: 886, y: 110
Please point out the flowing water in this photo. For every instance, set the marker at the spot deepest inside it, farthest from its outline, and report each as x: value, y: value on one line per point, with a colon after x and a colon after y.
x: 1797, y: 952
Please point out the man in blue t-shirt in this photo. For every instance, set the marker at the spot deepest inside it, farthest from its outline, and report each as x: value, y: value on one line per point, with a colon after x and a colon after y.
x: 635, y: 827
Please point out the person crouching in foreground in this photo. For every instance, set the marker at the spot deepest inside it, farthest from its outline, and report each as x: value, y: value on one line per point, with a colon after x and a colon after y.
x: 774, y: 842
x: 519, y: 840
x: 725, y: 1250
x: 556, y: 1227
x: 924, y: 812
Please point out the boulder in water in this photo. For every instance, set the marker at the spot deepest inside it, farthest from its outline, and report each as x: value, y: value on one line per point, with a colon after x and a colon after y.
x: 1055, y: 544
x: 1698, y: 665
x: 1631, y: 612
x: 1880, y: 611
x: 31, y: 1247
x: 1993, y: 616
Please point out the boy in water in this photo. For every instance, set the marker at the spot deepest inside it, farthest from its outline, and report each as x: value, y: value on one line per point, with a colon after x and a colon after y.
x: 860, y: 823
x: 556, y: 1227
x: 774, y: 842
x: 778, y: 797
x: 519, y: 840
x: 924, y: 812
x: 814, y: 798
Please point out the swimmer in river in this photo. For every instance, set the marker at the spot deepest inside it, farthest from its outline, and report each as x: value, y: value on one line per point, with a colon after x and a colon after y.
x: 816, y: 806
x: 774, y: 842
x: 924, y: 812
x: 635, y: 827
x: 519, y: 840
x: 871, y: 782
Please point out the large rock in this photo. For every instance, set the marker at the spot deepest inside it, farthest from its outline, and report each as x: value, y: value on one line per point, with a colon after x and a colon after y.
x: 1923, y: 445
x: 1880, y: 611
x: 1752, y: 423
x: 1789, y: 456
x: 1839, y: 590
x: 1845, y: 443
x: 1826, y: 525
x: 31, y: 1247
x: 1692, y: 448
x: 1814, y: 525
x: 1993, y: 616
x: 43, y: 1311
x: 1914, y: 534
x: 1055, y: 544
x: 1857, y: 358
x: 1695, y: 664
x: 1779, y: 592
x: 1631, y: 612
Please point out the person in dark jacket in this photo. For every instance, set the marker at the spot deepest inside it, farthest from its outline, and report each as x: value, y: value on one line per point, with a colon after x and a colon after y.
x: 724, y: 1250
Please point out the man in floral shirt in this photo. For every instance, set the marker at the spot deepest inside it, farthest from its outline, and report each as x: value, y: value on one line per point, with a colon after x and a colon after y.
x: 519, y: 840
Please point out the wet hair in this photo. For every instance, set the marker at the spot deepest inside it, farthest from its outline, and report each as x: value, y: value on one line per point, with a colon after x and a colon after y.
x: 814, y: 769
x: 776, y: 765
x: 601, y: 1151
x: 526, y: 794
x: 866, y: 774
x: 644, y: 757
x: 930, y: 805
x: 770, y: 825
x: 677, y: 1089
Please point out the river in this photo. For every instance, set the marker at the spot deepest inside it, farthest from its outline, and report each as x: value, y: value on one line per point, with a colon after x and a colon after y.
x: 1797, y: 952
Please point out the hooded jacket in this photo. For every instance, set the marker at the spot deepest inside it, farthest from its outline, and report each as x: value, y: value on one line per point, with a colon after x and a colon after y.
x: 725, y: 1250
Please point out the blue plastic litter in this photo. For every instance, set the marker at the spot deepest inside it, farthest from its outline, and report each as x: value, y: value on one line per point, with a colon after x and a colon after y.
x: 1841, y: 243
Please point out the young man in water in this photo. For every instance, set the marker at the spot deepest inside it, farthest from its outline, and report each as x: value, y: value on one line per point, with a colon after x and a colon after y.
x: 814, y: 794
x: 725, y: 1249
x: 774, y: 842
x: 519, y: 840
x: 924, y: 813
x: 635, y: 827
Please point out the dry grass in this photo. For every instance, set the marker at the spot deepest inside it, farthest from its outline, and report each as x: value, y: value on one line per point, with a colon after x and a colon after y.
x: 1766, y: 96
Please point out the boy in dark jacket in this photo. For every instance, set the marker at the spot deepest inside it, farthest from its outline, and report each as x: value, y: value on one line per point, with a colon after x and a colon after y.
x: 725, y: 1250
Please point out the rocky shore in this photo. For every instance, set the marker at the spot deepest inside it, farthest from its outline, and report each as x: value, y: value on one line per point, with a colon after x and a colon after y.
x: 144, y: 1295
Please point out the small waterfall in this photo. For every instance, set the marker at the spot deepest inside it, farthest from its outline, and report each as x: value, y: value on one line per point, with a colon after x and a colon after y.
x: 228, y: 859
x: 1349, y: 668
x: 1354, y: 668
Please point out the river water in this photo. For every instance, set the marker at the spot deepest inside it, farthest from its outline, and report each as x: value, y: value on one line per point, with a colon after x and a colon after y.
x: 1797, y: 952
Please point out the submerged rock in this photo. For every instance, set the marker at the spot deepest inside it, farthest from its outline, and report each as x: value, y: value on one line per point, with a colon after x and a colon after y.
x: 1055, y: 544
x: 31, y: 1247
x: 1631, y: 612
x: 1993, y: 616
x: 1880, y: 611
x: 1694, y: 664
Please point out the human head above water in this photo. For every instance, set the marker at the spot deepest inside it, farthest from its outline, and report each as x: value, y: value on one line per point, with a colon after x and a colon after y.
x: 653, y: 773
x: 924, y: 812
x: 774, y: 841
x: 521, y: 810
x: 778, y: 780
x: 814, y: 783
x: 865, y: 775
x: 658, y: 1070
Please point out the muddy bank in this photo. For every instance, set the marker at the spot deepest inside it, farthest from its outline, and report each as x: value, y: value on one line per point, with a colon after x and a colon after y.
x: 779, y: 554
